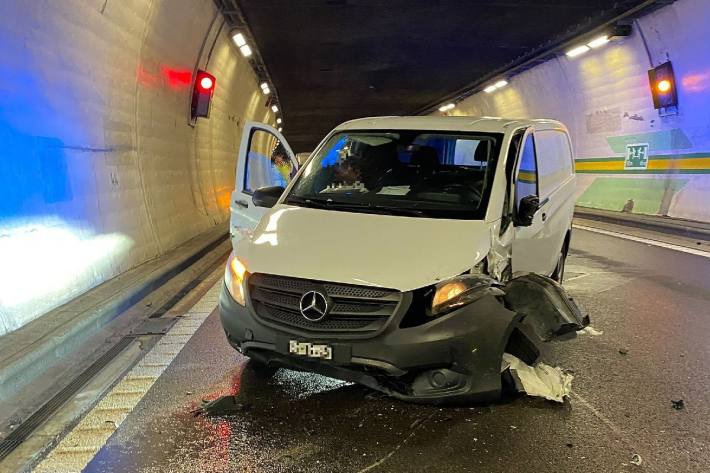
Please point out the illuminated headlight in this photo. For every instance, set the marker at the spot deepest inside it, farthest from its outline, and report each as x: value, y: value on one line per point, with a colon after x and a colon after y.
x: 234, y: 276
x: 462, y: 290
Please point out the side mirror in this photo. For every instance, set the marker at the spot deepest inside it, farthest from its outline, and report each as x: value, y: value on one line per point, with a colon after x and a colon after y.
x: 526, y: 210
x: 267, y: 196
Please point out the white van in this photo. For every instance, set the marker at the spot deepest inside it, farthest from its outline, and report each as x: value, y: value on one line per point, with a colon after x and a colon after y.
x: 407, y: 253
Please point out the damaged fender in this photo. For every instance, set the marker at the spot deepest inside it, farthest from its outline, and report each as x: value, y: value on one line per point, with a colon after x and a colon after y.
x: 546, y: 307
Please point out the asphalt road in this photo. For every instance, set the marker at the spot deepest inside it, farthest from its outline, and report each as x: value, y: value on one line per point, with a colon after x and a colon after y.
x: 651, y: 305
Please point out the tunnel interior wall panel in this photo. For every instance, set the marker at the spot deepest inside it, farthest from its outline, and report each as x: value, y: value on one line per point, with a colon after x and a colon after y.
x: 100, y: 169
x: 604, y: 98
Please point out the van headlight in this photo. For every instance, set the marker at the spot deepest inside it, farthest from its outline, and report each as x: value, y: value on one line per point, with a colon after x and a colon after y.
x: 462, y: 290
x: 234, y: 276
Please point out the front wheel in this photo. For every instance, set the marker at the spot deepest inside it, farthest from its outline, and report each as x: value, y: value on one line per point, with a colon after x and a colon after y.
x: 559, y: 272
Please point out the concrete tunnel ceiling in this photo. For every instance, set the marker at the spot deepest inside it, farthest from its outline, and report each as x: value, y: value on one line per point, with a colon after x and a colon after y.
x: 335, y: 60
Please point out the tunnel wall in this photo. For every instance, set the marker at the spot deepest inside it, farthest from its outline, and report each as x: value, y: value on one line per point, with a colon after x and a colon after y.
x: 101, y: 169
x: 604, y: 98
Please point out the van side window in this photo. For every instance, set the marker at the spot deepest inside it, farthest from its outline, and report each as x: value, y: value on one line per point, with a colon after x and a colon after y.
x: 526, y: 178
x: 554, y: 160
x: 267, y: 163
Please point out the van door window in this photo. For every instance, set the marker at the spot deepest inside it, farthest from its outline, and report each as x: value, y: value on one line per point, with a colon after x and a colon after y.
x: 267, y: 162
x: 554, y: 160
x: 526, y: 178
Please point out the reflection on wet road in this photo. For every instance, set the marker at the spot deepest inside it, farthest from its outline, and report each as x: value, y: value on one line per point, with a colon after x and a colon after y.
x: 650, y: 348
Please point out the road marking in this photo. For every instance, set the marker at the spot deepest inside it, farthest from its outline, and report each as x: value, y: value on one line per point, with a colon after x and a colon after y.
x: 647, y: 241
x: 629, y: 441
x: 398, y: 446
x: 83, y: 442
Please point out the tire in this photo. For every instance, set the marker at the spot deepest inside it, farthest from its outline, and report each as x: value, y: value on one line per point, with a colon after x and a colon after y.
x: 559, y: 273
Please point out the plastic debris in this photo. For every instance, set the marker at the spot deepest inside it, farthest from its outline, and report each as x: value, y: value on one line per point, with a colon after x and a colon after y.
x: 222, y: 406
x: 636, y: 459
x: 589, y: 330
x: 678, y: 405
x: 541, y: 380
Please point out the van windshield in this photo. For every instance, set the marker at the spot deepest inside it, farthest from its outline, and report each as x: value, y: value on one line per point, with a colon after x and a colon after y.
x: 435, y: 174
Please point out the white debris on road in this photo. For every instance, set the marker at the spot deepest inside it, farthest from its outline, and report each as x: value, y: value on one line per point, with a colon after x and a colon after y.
x: 539, y: 380
x: 589, y: 330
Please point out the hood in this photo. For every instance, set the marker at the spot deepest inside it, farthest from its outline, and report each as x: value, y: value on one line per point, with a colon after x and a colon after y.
x: 402, y: 253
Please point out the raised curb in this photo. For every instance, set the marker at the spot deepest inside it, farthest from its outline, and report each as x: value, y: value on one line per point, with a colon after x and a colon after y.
x: 65, y: 328
x: 674, y: 226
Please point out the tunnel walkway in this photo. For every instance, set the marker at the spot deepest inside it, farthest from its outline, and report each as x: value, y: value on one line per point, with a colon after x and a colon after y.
x: 648, y: 306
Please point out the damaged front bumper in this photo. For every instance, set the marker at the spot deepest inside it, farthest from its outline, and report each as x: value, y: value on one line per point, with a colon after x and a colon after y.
x: 453, y: 358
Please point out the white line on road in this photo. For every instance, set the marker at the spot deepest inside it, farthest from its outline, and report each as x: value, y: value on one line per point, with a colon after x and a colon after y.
x: 83, y: 442
x: 647, y: 241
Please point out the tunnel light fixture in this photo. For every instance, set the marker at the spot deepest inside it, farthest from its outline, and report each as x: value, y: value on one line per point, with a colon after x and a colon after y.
x: 241, y: 43
x: 278, y: 121
x: 598, y: 42
x: 447, y: 107
x: 495, y: 86
x: 246, y: 50
x: 579, y: 50
x: 265, y: 88
x: 239, y: 39
x: 280, y: 129
x: 274, y: 108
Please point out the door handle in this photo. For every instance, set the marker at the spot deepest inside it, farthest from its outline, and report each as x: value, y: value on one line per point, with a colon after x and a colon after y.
x: 241, y: 203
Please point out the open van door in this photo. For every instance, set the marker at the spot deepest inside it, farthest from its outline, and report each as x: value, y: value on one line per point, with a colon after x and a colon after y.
x: 265, y: 159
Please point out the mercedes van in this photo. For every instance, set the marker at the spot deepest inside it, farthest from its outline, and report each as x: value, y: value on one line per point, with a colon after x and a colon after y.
x: 406, y: 253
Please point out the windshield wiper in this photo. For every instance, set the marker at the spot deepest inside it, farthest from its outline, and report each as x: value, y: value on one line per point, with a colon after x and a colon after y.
x: 317, y: 203
x: 355, y: 206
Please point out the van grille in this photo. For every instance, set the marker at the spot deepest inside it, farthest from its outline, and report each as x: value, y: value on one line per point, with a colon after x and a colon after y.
x: 361, y: 309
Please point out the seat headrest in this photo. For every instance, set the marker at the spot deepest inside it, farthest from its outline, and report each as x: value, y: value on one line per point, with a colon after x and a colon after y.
x: 425, y: 157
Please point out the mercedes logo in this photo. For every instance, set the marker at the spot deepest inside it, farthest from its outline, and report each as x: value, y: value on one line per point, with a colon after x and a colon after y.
x: 314, y: 306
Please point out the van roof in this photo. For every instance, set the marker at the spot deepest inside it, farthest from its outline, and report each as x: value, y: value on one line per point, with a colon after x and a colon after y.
x: 449, y: 123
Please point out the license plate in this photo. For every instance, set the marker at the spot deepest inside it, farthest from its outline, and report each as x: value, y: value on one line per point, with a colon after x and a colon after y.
x: 311, y: 350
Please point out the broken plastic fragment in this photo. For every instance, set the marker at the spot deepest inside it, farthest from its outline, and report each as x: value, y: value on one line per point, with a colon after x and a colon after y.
x: 222, y: 406
x: 636, y: 460
x: 540, y: 380
x: 589, y: 330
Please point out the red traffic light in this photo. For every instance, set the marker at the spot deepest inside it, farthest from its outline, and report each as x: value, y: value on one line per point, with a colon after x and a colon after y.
x: 202, y: 93
x: 206, y: 83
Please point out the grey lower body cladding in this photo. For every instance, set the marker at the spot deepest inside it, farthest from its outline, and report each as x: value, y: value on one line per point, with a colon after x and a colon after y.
x: 455, y: 358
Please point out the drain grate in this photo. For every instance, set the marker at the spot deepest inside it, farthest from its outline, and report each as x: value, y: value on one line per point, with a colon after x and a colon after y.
x: 25, y: 429
x: 187, y: 288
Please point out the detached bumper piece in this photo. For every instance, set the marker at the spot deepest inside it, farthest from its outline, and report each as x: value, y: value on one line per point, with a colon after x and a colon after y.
x: 547, y: 308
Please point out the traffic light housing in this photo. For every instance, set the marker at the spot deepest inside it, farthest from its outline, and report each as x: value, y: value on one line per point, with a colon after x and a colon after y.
x: 663, y: 86
x: 202, y: 91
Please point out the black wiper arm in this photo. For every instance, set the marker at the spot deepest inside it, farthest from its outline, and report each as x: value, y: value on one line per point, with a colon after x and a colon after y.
x: 295, y: 199
x: 368, y: 207
x: 372, y: 208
